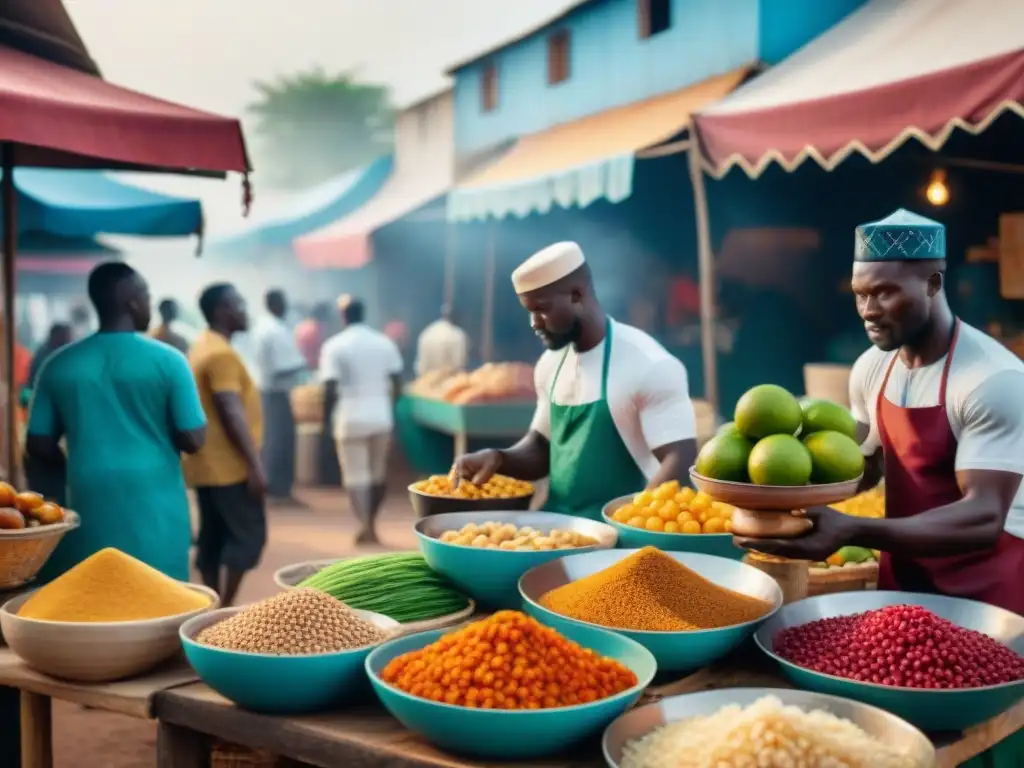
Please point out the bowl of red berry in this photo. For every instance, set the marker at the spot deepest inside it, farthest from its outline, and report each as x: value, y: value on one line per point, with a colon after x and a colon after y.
x: 941, y: 663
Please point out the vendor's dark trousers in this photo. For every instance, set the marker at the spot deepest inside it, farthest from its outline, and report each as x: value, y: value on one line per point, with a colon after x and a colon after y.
x: 278, y: 444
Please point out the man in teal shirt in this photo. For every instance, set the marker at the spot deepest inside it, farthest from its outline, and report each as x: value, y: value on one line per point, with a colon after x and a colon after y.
x: 127, y: 406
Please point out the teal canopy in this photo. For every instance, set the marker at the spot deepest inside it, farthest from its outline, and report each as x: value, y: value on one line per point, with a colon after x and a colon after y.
x: 74, y: 203
x: 274, y: 228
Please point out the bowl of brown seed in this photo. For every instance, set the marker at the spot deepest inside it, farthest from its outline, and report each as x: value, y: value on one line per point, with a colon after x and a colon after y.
x: 299, y: 651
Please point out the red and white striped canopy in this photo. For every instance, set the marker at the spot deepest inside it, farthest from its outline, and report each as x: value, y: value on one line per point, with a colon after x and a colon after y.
x: 892, y: 70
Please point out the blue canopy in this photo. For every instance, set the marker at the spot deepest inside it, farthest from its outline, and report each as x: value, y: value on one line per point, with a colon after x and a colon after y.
x: 277, y: 226
x: 74, y: 203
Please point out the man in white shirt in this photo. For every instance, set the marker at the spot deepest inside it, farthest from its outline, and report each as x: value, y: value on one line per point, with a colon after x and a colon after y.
x: 279, y: 364
x: 940, y: 411
x: 614, y: 414
x: 361, y: 369
x: 442, y: 346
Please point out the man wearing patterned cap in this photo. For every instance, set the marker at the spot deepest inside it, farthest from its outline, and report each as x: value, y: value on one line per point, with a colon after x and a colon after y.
x: 940, y: 411
x: 613, y: 407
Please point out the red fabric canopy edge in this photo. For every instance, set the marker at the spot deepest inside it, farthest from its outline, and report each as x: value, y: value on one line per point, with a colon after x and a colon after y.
x: 43, y: 104
x: 349, y: 252
x: 875, y: 117
x: 64, y: 265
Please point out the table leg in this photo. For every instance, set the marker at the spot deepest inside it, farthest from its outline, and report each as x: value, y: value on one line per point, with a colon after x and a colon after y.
x: 10, y: 733
x: 36, y: 731
x: 178, y: 747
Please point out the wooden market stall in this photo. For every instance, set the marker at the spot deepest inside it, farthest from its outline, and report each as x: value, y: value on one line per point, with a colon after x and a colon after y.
x: 191, y: 717
x: 883, y: 76
x: 45, y: 106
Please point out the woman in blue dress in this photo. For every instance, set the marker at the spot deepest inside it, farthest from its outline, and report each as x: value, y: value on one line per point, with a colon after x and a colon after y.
x: 127, y: 406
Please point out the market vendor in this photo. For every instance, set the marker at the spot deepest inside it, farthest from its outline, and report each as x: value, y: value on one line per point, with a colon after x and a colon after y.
x: 940, y: 409
x: 613, y: 407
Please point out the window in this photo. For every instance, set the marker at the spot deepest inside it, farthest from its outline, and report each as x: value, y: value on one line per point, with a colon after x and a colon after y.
x: 655, y: 16
x: 489, y: 88
x: 558, y: 57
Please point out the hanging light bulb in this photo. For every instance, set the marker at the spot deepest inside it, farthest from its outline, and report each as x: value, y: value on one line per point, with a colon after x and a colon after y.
x: 937, y: 191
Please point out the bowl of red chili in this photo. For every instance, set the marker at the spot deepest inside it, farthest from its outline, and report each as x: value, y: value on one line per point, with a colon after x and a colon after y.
x: 941, y: 663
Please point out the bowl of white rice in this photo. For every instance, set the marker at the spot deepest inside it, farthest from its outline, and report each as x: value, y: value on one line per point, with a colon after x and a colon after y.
x: 763, y: 726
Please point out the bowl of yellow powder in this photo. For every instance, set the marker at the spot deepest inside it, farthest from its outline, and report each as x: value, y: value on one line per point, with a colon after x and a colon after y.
x: 688, y: 609
x: 108, y: 618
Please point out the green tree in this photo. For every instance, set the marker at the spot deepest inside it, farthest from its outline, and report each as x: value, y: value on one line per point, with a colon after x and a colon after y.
x: 311, y: 126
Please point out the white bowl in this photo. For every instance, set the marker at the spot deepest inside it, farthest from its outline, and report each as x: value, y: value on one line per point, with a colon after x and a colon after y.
x: 95, y: 652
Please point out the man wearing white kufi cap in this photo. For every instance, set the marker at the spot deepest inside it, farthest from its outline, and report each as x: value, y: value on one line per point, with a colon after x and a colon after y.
x: 613, y: 407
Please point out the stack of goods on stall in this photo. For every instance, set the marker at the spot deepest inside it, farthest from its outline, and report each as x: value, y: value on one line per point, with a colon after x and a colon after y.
x: 765, y: 733
x: 398, y: 585
x: 301, y: 621
x: 672, y: 509
x: 308, y: 403
x: 650, y: 591
x: 492, y: 382
x: 508, y: 661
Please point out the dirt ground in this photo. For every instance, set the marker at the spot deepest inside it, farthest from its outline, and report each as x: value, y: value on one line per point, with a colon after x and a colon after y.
x: 88, y: 738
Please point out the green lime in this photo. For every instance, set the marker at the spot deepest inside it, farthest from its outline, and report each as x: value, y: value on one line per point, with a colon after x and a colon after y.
x: 729, y: 428
x: 779, y: 460
x: 826, y: 416
x: 768, y: 409
x: 724, y: 457
x: 835, y: 457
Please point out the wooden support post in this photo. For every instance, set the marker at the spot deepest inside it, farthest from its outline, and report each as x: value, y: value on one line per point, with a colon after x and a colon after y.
x: 178, y: 747
x: 36, y: 731
x: 706, y: 267
x: 490, y: 266
x: 9, y: 225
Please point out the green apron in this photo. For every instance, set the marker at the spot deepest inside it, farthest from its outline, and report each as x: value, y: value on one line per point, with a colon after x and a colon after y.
x: 590, y: 464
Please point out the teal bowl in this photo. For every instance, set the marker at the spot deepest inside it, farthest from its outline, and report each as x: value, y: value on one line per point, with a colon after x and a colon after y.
x: 491, y: 576
x: 264, y: 682
x: 928, y: 709
x: 630, y: 537
x: 674, y: 651
x: 501, y: 734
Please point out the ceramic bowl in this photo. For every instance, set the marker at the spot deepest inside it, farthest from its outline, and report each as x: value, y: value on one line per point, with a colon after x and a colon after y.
x: 930, y: 710
x: 517, y: 735
x: 674, y: 651
x: 95, y: 652
x: 264, y: 682
x: 631, y: 537
x: 882, y: 725
x: 425, y: 505
x: 490, y: 576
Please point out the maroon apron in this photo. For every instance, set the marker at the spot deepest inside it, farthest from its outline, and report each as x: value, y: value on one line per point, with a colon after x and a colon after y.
x: 920, y: 474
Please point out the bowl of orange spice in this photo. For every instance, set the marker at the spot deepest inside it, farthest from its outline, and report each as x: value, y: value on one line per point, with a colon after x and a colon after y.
x: 508, y: 687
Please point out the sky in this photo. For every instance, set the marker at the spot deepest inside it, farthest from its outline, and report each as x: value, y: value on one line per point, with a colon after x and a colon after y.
x: 207, y: 53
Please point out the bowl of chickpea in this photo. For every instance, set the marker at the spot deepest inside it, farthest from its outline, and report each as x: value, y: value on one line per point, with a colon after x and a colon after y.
x: 439, y: 495
x: 673, y: 518
x: 485, y: 553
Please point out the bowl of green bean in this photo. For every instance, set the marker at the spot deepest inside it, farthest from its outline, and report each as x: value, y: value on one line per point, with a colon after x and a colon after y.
x: 399, y: 585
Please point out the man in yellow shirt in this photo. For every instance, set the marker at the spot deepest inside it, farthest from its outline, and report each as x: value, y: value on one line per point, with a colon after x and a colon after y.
x: 227, y: 472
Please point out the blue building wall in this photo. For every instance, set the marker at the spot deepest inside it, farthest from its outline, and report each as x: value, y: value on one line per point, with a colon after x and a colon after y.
x: 787, y: 25
x: 610, y: 65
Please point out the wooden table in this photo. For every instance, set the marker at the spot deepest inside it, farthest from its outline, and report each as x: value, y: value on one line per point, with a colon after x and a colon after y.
x: 367, y: 737
x: 129, y: 697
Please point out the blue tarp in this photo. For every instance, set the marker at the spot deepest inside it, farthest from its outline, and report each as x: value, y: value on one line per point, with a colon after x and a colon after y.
x: 86, y: 203
x: 278, y: 226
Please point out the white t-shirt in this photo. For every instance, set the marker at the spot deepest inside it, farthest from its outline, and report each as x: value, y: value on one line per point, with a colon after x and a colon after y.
x: 648, y: 391
x: 984, y: 403
x: 274, y: 351
x: 442, y: 346
x: 362, y: 362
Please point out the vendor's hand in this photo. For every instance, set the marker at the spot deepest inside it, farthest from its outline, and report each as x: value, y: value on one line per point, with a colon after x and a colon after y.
x: 478, y: 467
x: 831, y: 532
